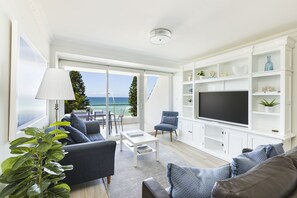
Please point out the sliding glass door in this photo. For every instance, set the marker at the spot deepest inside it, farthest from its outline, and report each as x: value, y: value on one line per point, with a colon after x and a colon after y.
x: 121, y: 98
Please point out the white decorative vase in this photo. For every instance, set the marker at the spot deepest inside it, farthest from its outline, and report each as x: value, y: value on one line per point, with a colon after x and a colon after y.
x: 269, y: 109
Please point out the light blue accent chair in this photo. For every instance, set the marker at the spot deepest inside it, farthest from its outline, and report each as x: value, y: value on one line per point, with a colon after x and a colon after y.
x: 169, y: 122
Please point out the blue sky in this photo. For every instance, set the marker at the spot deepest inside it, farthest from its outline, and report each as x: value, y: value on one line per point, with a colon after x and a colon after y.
x: 118, y: 84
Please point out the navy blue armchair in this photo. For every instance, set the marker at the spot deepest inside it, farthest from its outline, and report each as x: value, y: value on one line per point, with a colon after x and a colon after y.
x: 169, y: 123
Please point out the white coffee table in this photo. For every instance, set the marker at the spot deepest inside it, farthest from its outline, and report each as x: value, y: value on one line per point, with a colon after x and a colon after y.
x: 139, y: 140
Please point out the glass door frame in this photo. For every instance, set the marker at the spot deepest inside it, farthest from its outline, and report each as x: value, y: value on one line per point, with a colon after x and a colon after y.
x: 92, y: 67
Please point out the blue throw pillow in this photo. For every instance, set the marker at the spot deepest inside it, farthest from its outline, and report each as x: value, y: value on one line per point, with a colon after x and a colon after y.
x: 246, y: 161
x: 187, y: 182
x: 168, y: 120
x: 76, y: 135
x: 276, y: 149
x: 267, y: 149
x: 78, y: 123
x: 272, y: 149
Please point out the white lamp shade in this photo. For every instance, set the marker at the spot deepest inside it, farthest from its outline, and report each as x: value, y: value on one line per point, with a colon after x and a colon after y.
x: 55, y: 85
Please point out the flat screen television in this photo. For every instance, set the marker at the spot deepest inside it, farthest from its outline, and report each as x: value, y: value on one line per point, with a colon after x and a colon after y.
x: 226, y: 106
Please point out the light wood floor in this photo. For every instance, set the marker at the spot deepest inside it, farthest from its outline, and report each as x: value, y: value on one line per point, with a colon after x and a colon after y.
x: 195, y: 157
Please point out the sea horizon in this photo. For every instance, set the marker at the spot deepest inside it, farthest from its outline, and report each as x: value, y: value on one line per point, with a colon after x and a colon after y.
x: 115, y: 104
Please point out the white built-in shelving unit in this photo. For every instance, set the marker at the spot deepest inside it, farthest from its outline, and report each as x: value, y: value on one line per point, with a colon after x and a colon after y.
x: 225, y: 140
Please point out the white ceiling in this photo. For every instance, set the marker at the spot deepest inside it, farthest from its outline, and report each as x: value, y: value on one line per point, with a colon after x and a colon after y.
x: 198, y: 27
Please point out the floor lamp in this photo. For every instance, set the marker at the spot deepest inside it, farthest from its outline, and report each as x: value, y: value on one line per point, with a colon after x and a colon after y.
x: 56, y: 85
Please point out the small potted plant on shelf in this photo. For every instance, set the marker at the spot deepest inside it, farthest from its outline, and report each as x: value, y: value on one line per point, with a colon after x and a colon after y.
x: 201, y: 74
x: 269, y: 106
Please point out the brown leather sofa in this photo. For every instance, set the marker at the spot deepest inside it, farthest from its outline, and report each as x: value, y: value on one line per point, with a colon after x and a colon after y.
x: 274, y: 178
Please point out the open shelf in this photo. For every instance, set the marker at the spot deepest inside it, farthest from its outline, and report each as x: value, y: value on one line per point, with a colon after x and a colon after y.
x: 266, y: 73
x: 266, y: 113
x: 227, y: 78
x: 188, y: 106
x: 215, y: 139
x: 126, y: 142
x: 274, y: 93
x: 188, y: 82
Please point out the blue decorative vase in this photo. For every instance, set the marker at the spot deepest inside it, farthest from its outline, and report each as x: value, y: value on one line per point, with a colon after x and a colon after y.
x: 268, y: 65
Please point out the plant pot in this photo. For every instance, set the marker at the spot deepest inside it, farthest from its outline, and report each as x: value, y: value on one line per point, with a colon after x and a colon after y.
x: 269, y: 109
x: 202, y: 77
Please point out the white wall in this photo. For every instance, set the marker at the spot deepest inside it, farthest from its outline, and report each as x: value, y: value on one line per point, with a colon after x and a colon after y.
x: 30, y: 27
x: 158, y: 102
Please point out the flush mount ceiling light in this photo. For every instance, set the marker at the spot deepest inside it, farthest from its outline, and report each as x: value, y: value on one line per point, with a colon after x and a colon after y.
x: 160, y: 36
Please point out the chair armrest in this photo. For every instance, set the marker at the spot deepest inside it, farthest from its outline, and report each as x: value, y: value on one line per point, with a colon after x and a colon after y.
x: 152, y: 189
x: 92, y: 127
x: 90, y: 161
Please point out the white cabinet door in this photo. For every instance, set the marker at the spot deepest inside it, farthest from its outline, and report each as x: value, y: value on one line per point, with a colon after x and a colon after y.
x: 256, y: 140
x: 198, y: 135
x: 235, y: 141
x: 186, y: 131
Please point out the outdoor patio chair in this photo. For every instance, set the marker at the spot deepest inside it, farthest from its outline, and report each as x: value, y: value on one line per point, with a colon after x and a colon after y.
x: 99, y: 115
x: 119, y: 118
x: 169, y: 123
x: 83, y: 114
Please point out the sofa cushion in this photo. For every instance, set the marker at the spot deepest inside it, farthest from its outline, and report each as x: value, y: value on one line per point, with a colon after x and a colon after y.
x: 95, y: 137
x: 168, y: 120
x: 190, y: 182
x: 274, y: 178
x: 69, y: 140
x: 78, y: 123
x: 76, y: 135
x: 292, y: 154
x: 246, y: 161
x: 276, y: 149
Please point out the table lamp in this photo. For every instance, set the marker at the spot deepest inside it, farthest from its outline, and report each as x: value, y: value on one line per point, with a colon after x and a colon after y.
x: 55, y: 85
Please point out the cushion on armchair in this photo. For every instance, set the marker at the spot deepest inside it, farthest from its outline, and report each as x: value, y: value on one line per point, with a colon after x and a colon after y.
x: 78, y: 123
x: 168, y: 120
x: 165, y: 127
x: 194, y: 182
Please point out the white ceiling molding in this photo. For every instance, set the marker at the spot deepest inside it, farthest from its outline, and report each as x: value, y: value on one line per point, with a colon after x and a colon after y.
x: 67, y: 59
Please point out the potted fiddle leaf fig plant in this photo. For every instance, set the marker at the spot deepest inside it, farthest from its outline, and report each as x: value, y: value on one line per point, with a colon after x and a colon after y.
x: 34, y: 169
x: 269, y: 106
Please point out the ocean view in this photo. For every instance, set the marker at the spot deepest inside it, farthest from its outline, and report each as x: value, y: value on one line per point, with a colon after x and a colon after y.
x: 115, y: 104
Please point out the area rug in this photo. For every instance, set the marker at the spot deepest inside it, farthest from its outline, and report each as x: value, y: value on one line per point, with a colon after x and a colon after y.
x: 127, y: 180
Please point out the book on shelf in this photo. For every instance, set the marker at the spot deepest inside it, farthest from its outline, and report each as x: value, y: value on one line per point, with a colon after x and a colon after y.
x: 144, y: 149
x: 135, y: 134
